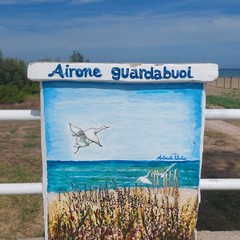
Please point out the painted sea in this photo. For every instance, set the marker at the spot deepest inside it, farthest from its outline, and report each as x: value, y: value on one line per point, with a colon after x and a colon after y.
x: 67, y: 176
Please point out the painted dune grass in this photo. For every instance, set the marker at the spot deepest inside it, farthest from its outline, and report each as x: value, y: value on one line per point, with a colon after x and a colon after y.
x: 123, y: 213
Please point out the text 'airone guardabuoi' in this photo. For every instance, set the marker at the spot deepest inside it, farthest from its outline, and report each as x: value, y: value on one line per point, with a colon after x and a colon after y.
x: 123, y: 72
x: 66, y: 71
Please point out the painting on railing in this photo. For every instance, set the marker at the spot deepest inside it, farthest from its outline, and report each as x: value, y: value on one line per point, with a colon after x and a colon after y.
x: 122, y: 149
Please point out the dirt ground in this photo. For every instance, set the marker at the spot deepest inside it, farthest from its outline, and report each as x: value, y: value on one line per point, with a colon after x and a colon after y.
x: 221, y: 156
x: 20, y: 159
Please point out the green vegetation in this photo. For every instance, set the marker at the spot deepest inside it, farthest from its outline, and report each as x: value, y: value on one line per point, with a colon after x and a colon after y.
x: 77, y: 57
x: 14, y: 84
x: 12, y: 72
x: 10, y: 93
x: 225, y: 100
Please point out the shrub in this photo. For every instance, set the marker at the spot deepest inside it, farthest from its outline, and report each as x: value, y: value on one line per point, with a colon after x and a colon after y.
x: 11, y: 94
x: 223, y: 101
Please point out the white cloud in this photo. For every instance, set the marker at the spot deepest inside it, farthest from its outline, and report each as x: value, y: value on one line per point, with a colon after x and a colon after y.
x: 133, y: 30
x: 142, y: 31
x: 44, y: 37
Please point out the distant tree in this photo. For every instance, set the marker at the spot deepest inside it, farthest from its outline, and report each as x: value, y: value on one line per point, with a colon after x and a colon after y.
x: 13, y: 71
x: 14, y: 85
x: 77, y: 57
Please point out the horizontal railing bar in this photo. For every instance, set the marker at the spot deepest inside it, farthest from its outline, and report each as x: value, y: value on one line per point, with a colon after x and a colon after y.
x: 10, y: 115
x: 223, y: 114
x: 220, y: 184
x: 211, y: 114
x: 20, y: 188
x: 36, y: 188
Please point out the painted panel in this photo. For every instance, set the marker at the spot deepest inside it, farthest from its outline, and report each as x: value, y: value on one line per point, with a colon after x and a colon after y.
x: 121, y: 161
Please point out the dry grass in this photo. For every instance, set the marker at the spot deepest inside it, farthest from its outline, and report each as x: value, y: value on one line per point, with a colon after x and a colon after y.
x: 20, y: 216
x: 122, y: 213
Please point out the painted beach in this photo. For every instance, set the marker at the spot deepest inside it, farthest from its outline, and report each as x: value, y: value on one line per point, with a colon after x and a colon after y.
x: 122, y: 199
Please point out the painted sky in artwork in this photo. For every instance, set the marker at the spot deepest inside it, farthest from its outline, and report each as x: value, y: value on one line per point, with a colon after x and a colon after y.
x: 145, y: 120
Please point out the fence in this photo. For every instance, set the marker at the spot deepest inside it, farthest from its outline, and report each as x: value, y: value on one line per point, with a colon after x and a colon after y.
x: 36, y: 188
x: 226, y: 82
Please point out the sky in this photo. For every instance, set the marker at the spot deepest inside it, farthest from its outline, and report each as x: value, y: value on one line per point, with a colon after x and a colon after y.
x: 145, y: 121
x: 156, y: 31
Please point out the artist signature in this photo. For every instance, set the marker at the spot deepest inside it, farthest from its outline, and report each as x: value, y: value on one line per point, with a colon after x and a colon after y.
x: 173, y: 156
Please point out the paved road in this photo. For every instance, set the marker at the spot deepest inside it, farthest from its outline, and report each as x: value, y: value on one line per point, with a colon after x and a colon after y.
x: 231, y: 235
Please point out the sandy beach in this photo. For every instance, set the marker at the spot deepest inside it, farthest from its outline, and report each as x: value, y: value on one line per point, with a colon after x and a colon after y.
x: 185, y: 195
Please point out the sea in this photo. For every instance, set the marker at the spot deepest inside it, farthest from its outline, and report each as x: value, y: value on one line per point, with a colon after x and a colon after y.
x: 229, y: 72
x: 68, y: 176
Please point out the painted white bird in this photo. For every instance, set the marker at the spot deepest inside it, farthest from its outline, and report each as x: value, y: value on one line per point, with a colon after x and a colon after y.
x: 166, y: 171
x: 144, y: 179
x: 91, y: 134
x: 85, y: 137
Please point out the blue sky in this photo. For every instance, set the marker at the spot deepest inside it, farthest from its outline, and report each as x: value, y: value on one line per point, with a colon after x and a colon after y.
x: 157, y: 31
x: 145, y: 120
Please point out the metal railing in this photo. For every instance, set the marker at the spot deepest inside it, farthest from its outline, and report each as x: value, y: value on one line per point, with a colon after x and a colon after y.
x: 36, y: 188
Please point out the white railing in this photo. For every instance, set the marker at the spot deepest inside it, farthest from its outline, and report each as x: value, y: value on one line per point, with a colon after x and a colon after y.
x: 211, y: 114
x: 36, y: 188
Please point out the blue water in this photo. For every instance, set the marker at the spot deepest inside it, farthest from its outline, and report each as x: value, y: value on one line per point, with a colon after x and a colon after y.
x: 66, y: 176
x: 229, y: 72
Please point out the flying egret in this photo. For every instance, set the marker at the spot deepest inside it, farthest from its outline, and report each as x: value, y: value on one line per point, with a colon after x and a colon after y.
x: 85, y: 137
x: 91, y: 134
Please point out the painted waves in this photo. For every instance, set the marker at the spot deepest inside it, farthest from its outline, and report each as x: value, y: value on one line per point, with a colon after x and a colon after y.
x: 67, y: 176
